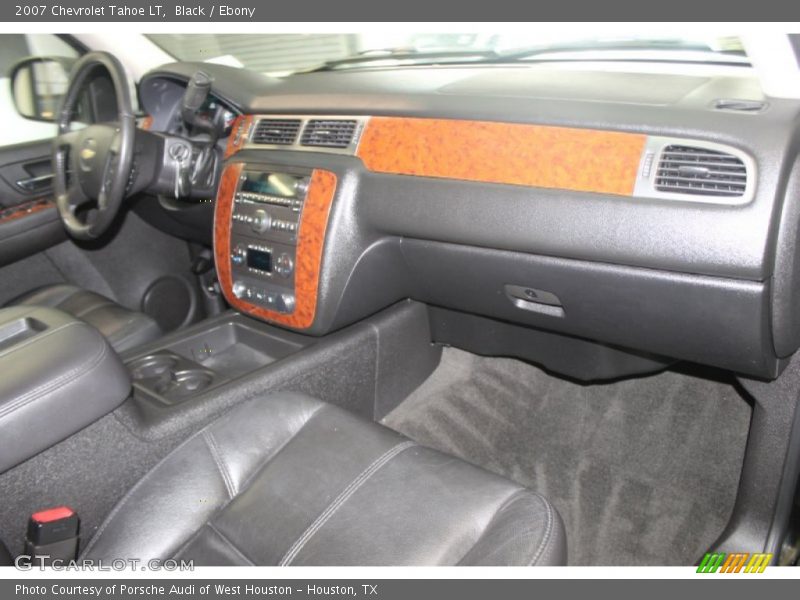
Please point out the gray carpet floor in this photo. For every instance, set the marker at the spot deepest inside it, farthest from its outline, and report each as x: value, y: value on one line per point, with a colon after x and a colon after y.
x: 643, y: 471
x: 89, y: 472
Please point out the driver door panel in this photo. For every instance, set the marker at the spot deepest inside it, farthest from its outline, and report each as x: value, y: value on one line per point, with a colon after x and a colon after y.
x: 29, y: 221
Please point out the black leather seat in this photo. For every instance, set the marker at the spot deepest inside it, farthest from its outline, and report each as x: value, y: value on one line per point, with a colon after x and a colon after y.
x: 289, y: 480
x: 123, y: 328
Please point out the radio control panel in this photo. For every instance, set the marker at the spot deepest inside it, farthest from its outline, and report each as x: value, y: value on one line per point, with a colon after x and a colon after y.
x: 265, y: 223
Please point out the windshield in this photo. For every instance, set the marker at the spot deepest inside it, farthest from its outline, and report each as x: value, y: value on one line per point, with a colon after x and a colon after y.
x: 282, y: 54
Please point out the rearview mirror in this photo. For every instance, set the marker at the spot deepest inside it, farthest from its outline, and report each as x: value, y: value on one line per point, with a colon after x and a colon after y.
x: 38, y: 84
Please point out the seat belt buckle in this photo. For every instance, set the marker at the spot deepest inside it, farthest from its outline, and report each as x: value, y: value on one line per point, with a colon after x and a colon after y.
x: 52, y: 535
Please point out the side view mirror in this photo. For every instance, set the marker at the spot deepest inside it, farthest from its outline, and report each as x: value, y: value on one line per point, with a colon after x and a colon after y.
x: 38, y: 84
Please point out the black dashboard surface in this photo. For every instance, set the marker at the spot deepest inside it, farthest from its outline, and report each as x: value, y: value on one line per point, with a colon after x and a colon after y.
x: 734, y: 250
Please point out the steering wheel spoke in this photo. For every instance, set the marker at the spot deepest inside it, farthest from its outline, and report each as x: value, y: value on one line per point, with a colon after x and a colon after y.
x: 93, y: 164
x: 109, y: 177
x: 68, y: 139
x: 116, y: 141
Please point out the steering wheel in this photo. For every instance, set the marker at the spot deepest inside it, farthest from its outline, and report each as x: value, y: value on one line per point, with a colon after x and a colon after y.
x: 92, y: 165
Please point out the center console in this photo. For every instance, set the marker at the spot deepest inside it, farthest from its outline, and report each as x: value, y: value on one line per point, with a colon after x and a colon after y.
x: 59, y: 374
x: 207, y: 356
x: 269, y: 233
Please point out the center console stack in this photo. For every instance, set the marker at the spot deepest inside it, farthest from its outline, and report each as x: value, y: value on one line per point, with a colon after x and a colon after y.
x: 269, y: 232
x: 265, y: 219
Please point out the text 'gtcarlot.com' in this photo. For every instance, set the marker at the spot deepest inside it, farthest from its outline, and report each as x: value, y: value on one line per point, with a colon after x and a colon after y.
x: 29, y: 563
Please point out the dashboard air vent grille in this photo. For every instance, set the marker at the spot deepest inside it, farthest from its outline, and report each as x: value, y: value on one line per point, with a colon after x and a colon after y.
x: 276, y: 131
x: 329, y: 133
x: 700, y: 171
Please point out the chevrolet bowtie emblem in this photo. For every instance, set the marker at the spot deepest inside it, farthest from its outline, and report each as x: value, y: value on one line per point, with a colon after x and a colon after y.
x: 87, y: 154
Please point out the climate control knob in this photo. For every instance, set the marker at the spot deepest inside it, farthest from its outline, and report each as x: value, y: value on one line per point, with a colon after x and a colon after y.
x: 262, y: 221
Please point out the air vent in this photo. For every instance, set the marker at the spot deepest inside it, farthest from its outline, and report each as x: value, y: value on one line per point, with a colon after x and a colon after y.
x: 276, y: 131
x: 329, y: 133
x: 700, y: 171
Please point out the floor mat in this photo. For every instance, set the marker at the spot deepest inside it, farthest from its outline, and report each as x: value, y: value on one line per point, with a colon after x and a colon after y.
x: 643, y: 471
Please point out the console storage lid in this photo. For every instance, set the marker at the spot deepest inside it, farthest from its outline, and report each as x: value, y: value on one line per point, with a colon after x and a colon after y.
x: 57, y: 375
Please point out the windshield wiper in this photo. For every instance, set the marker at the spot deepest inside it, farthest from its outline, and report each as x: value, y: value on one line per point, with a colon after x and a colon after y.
x: 407, y: 54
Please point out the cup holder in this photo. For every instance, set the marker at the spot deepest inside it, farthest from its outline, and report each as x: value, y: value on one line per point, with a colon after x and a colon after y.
x: 153, y: 366
x: 169, y: 378
x: 185, y: 383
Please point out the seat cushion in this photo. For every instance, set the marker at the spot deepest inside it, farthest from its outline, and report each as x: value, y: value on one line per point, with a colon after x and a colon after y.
x: 289, y: 480
x: 123, y: 328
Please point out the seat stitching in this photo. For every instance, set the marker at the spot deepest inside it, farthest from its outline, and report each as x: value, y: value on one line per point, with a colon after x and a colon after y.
x: 46, y: 388
x: 232, y: 546
x: 264, y: 462
x: 22, y: 314
x: 186, y: 442
x: 81, y: 313
x: 345, y: 495
x: 35, y: 297
x: 221, y: 465
x: 191, y: 539
x: 38, y: 338
x: 72, y: 292
x: 548, y: 530
x: 136, y: 486
x: 130, y: 329
x: 260, y: 466
x: 510, y: 499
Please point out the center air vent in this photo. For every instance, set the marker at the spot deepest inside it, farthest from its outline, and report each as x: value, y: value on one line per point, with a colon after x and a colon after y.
x: 700, y: 171
x: 276, y: 131
x: 329, y: 133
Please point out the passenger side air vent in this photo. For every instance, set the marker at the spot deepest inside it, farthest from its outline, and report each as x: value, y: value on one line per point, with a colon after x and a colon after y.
x: 329, y: 133
x: 700, y: 171
x: 276, y: 131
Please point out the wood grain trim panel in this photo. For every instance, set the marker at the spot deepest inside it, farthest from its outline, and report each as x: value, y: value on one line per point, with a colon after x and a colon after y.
x: 238, y: 137
x: 223, y: 209
x: 310, y: 244
x: 564, y: 158
x: 20, y: 211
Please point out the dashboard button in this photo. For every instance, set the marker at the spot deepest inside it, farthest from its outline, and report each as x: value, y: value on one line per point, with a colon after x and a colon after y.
x: 287, y: 301
x: 239, y: 289
x: 284, y: 265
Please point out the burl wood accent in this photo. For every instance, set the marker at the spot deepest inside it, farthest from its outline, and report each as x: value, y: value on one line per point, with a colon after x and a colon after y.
x: 20, y: 211
x: 583, y: 160
x: 310, y: 242
x: 235, y: 140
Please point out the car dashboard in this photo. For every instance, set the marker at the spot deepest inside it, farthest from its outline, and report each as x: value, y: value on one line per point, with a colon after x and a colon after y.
x: 596, y: 219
